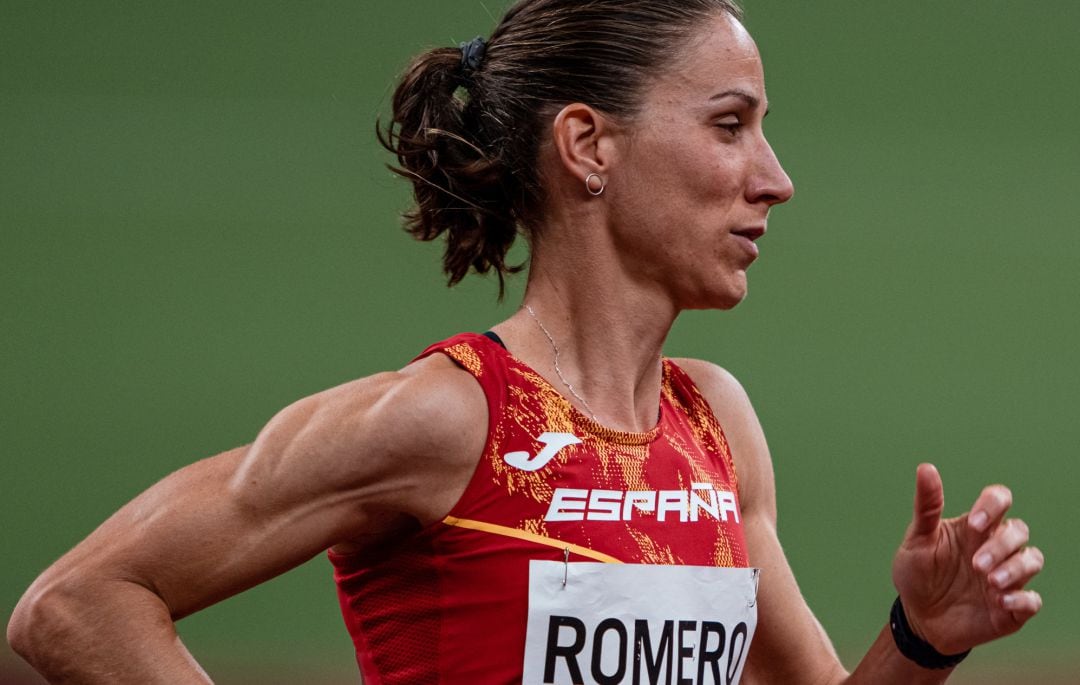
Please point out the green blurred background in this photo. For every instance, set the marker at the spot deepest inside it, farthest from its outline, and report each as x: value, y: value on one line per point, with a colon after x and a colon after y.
x: 197, y: 228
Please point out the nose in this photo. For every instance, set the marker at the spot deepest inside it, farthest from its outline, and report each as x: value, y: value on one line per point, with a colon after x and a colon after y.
x: 768, y: 183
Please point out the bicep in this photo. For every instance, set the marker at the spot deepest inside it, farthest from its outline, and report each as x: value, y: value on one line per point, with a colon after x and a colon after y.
x: 314, y: 476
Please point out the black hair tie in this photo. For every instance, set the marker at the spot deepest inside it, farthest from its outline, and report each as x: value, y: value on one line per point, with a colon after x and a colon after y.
x: 472, y: 55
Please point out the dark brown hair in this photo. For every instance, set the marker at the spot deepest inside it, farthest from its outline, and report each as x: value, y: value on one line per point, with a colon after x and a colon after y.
x: 468, y: 138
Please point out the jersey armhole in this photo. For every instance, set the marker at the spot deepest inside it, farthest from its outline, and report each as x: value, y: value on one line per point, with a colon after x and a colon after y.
x: 682, y: 378
x: 487, y: 369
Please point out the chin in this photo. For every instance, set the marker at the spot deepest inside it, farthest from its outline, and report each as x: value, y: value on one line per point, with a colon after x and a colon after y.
x: 731, y: 292
x: 723, y: 300
x: 723, y: 293
x: 730, y: 303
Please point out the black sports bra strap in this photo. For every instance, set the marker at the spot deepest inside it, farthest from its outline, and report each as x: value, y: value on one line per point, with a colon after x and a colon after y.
x: 495, y: 337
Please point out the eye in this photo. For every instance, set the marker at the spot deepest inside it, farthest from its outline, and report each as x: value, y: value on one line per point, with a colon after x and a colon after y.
x: 730, y: 124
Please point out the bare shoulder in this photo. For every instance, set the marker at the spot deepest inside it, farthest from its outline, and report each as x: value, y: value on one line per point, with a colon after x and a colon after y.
x: 425, y: 410
x: 720, y: 387
x: 725, y: 395
x: 731, y: 405
x: 390, y: 435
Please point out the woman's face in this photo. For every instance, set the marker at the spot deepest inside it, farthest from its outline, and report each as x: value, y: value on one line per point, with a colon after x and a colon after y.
x: 693, y: 177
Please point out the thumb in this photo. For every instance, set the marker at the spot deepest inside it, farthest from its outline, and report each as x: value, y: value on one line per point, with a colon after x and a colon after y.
x: 929, y: 501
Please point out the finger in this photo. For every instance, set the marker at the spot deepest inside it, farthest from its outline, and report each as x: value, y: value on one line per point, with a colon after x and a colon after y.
x: 1005, y: 541
x: 990, y: 507
x: 929, y: 500
x: 1018, y: 569
x: 1022, y: 604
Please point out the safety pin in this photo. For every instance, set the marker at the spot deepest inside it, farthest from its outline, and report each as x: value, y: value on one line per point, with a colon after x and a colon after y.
x: 566, y: 565
x: 757, y: 578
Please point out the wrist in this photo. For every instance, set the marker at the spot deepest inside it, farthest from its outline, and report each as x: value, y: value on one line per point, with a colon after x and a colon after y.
x: 914, y: 646
x: 914, y: 625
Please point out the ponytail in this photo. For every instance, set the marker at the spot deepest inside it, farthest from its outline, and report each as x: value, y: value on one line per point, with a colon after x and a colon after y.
x: 459, y: 183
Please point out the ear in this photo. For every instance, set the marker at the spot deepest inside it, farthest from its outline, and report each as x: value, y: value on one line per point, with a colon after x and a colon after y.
x: 583, y: 140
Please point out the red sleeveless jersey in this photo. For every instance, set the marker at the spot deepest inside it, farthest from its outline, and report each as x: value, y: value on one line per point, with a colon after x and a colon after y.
x: 449, y: 604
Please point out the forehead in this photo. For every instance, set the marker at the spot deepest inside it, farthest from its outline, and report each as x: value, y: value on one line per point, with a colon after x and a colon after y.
x: 720, y: 56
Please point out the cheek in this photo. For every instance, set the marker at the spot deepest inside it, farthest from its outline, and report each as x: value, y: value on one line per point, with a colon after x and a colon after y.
x: 720, y: 176
x: 705, y: 174
x: 685, y: 185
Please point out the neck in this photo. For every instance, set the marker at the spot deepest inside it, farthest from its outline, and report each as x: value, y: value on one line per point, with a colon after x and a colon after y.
x: 608, y: 335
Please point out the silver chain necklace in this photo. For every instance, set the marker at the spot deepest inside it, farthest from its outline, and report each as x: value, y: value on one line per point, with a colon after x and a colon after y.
x: 555, y: 349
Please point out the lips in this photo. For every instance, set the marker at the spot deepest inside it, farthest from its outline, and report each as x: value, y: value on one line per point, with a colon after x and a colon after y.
x: 746, y: 237
x: 751, y: 233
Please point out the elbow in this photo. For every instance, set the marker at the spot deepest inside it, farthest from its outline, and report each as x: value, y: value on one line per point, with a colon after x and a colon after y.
x: 41, y: 622
x: 18, y: 628
x: 25, y: 621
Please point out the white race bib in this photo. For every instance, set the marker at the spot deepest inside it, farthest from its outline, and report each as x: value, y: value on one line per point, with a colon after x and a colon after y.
x: 638, y: 623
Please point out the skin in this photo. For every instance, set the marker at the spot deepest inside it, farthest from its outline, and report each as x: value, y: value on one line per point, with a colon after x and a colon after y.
x: 690, y: 180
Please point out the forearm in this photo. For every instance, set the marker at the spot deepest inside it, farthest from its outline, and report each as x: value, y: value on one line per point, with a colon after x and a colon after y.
x: 110, y: 632
x: 885, y: 665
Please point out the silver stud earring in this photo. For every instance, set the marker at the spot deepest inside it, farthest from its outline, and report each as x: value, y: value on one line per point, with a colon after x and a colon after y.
x: 595, y: 192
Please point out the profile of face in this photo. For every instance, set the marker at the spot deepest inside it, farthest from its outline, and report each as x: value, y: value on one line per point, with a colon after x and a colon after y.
x: 692, y: 177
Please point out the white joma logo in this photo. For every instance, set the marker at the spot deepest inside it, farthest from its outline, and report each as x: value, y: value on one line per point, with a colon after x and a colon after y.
x: 553, y: 442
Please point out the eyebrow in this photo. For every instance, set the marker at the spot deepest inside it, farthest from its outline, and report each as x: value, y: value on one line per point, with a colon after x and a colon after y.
x: 751, y: 100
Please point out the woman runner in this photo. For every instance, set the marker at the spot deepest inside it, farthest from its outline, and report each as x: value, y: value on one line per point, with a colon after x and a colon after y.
x: 554, y: 501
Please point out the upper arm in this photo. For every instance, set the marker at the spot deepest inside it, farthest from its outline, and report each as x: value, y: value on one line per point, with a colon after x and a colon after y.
x: 789, y: 644
x: 351, y: 463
